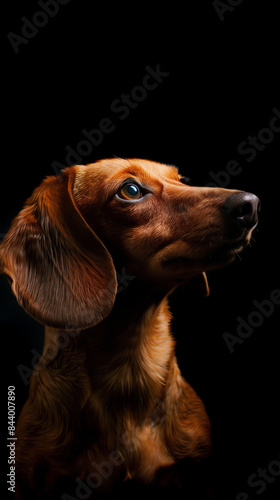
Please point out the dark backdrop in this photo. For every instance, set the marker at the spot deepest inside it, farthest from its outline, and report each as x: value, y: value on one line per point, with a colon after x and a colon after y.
x: 217, y: 67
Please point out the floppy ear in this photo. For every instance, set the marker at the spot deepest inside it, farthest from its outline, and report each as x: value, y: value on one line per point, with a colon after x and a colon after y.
x: 60, y: 271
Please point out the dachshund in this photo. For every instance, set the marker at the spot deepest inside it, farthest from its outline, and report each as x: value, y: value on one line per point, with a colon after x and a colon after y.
x: 94, y: 255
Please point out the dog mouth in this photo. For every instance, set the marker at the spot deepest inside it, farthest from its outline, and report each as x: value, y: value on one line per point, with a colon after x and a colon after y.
x: 226, y: 253
x: 216, y: 257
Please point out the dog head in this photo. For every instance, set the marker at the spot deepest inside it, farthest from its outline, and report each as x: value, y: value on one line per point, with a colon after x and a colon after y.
x: 62, y: 249
x: 160, y: 227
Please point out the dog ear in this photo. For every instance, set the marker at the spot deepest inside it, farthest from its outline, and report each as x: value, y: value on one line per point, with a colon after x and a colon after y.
x: 200, y: 283
x: 60, y: 271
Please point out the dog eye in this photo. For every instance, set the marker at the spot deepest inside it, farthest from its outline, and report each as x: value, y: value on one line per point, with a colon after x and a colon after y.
x: 130, y: 191
x: 185, y: 180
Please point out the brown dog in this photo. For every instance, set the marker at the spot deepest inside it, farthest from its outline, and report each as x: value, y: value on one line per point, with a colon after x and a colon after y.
x: 107, y: 401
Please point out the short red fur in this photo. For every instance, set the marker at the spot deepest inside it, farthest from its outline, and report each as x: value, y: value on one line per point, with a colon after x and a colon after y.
x: 111, y: 391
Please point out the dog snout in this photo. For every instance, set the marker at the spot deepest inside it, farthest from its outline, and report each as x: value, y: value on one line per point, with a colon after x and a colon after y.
x: 242, y: 209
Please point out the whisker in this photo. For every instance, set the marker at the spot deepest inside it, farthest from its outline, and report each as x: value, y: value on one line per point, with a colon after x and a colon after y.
x: 238, y: 255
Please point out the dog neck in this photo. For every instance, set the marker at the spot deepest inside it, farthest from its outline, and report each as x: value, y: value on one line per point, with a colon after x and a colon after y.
x: 125, y: 358
x: 136, y: 327
x: 136, y: 350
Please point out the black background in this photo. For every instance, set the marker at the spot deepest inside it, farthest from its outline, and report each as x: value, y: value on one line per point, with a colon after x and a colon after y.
x: 222, y: 86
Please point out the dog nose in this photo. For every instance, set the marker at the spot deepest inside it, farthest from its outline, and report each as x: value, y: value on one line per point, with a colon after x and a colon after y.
x: 242, y: 208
